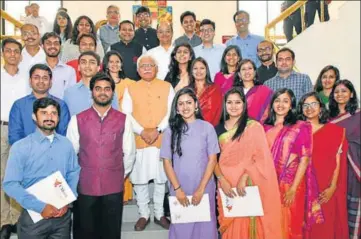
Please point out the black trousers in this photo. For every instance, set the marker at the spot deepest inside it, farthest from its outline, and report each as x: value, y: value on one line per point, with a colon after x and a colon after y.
x: 311, y: 8
x: 98, y: 217
x: 293, y: 21
x: 52, y: 228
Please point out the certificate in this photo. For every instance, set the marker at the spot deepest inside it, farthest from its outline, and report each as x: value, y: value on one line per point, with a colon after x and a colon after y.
x: 199, y: 213
x: 246, y: 206
x: 52, y: 190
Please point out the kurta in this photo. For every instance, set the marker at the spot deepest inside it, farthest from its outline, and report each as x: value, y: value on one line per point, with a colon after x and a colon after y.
x: 148, y: 106
x: 198, y: 143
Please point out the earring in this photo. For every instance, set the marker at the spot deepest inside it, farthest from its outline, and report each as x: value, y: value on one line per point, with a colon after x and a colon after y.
x: 196, y: 110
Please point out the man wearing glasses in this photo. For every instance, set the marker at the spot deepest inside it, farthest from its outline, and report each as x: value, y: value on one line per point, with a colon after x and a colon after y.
x: 268, y: 68
x: 246, y: 41
x: 211, y: 52
x: 145, y: 34
x: 109, y: 33
x: 148, y: 103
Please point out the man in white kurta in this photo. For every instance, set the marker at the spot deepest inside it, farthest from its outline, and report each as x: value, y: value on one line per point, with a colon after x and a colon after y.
x: 148, y: 103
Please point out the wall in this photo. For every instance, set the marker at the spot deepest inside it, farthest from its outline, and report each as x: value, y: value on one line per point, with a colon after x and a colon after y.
x: 335, y: 42
x: 210, y: 9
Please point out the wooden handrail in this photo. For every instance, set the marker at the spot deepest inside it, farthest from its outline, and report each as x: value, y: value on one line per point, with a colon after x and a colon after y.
x: 9, y: 18
x: 286, y: 13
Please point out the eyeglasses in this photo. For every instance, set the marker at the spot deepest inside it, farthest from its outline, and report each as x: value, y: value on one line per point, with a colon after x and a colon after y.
x: 112, y: 12
x: 143, y: 15
x: 9, y: 51
x: 312, y: 105
x: 239, y: 20
x: 147, y: 65
x: 210, y: 30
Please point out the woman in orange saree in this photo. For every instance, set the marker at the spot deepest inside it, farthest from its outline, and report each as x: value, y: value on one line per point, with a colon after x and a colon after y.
x: 245, y: 159
x: 330, y: 163
x: 291, y: 146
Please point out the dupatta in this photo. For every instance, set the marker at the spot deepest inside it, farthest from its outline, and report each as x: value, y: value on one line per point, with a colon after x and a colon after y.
x: 210, y: 103
x: 258, y: 101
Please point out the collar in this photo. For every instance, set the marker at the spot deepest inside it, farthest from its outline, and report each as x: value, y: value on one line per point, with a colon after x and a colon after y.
x: 32, y: 96
x: 185, y: 35
x: 105, y: 113
x: 4, y: 70
x: 249, y: 35
x: 272, y: 65
x: 39, y: 136
x: 213, y: 46
x: 112, y: 28
x: 60, y: 63
x: 80, y: 84
x: 292, y: 73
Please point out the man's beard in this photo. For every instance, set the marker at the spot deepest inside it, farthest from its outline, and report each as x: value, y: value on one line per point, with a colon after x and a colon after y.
x: 267, y: 59
x: 102, y: 103
x: 46, y: 127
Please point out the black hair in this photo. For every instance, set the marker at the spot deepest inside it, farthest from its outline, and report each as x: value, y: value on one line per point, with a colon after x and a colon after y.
x: 187, y: 13
x: 43, y: 103
x: 224, y: 67
x: 100, y: 76
x: 291, y: 117
x: 75, y: 33
x: 69, y: 26
x: 142, y: 9
x: 90, y: 53
x: 351, y: 105
x: 318, y: 85
x: 237, y: 78
x: 192, y: 82
x: 11, y: 40
x: 323, y: 116
x: 106, y: 58
x: 40, y: 67
x: 172, y: 75
x: 62, y: 9
x: 242, y: 121
x: 266, y: 41
x: 286, y: 49
x: 126, y: 22
x: 208, y: 22
x: 177, y: 124
x: 240, y: 12
x: 47, y: 35
x: 87, y: 35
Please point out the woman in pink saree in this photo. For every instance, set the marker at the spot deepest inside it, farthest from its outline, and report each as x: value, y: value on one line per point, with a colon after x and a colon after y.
x: 258, y: 96
x: 291, y: 146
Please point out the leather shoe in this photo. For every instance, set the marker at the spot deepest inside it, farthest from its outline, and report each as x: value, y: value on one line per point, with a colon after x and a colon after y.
x: 5, y: 232
x: 163, y: 222
x: 141, y: 224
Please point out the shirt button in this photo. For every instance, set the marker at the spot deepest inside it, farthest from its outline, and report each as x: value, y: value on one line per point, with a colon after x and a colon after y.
x: 146, y: 38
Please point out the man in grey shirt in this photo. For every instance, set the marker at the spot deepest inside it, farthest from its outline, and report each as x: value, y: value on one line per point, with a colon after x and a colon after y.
x: 188, y: 21
x: 109, y: 33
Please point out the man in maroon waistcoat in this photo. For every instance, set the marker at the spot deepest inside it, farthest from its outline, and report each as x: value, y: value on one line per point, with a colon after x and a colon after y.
x: 103, y: 138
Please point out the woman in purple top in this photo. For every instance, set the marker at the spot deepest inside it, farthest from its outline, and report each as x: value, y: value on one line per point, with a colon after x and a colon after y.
x: 189, y: 152
x: 230, y: 59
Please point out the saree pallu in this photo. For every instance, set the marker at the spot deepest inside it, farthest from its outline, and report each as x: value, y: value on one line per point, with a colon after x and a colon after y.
x: 329, y: 142
x: 250, y: 154
x: 258, y: 102
x: 288, y: 145
x: 210, y: 103
x: 352, y: 125
x: 224, y: 83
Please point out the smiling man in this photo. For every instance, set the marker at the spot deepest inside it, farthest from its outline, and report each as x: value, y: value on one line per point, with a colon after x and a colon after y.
x: 246, y: 41
x: 109, y: 33
x: 268, y: 68
x: 148, y: 103
x: 188, y: 21
x: 145, y: 34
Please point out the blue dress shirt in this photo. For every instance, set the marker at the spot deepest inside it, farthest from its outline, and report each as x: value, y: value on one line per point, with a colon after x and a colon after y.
x: 79, y: 98
x: 21, y: 123
x: 34, y: 158
x: 248, y: 46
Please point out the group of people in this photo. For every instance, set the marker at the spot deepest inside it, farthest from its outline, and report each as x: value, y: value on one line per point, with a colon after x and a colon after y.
x: 115, y: 110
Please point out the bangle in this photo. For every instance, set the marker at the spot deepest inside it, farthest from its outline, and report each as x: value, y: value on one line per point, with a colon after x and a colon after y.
x: 177, y: 188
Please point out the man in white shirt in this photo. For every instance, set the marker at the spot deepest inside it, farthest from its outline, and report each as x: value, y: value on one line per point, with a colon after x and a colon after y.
x: 32, y: 52
x: 63, y: 75
x: 14, y: 85
x: 162, y: 52
x: 39, y: 21
x: 211, y: 52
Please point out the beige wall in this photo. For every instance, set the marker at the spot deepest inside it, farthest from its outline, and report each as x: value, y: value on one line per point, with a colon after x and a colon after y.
x: 96, y: 10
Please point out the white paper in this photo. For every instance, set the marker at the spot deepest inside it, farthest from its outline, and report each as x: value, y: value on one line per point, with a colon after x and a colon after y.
x: 246, y: 206
x: 199, y: 213
x: 52, y: 190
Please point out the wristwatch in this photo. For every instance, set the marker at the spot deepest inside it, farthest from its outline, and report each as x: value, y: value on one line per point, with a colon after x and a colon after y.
x: 159, y: 131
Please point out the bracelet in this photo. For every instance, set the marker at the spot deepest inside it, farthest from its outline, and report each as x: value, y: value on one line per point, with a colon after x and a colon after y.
x: 177, y: 188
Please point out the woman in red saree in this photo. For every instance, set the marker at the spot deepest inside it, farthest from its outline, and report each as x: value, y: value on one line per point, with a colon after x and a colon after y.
x: 245, y: 159
x: 291, y: 145
x: 344, y: 112
x: 258, y: 96
x: 209, y: 95
x: 330, y: 164
x: 230, y: 59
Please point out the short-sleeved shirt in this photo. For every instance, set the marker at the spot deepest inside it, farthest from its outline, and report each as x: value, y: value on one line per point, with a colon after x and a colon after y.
x: 299, y: 83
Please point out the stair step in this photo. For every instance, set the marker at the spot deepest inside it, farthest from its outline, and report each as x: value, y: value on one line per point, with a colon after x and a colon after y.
x: 130, y: 211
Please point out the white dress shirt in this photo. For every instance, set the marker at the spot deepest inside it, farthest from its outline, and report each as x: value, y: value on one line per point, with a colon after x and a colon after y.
x: 128, y: 140
x: 28, y: 61
x: 162, y: 56
x: 12, y: 89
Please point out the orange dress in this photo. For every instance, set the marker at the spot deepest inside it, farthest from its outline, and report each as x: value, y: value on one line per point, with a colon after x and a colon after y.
x: 250, y: 154
x: 119, y: 89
